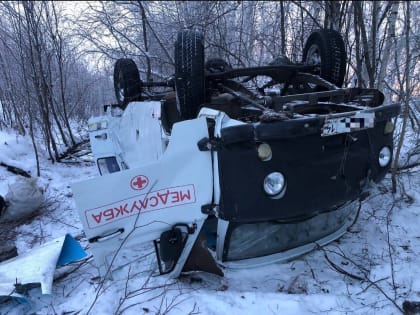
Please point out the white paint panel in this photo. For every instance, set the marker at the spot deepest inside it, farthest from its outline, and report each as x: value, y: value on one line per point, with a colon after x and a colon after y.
x: 174, y: 187
x: 38, y: 265
x: 101, y: 147
x: 139, y: 133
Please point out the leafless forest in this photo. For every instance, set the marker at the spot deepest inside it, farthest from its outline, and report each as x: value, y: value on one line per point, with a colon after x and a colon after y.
x: 56, y: 58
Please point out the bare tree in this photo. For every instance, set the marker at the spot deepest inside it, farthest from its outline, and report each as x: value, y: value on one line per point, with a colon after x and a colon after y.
x: 406, y: 95
x: 389, y: 39
x: 65, y: 67
x: 44, y: 83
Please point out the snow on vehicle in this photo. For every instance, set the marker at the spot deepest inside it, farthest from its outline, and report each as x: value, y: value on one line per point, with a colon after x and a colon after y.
x: 264, y: 163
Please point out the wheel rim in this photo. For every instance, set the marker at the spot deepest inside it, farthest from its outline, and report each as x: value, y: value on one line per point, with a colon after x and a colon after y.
x: 120, y: 88
x: 121, y: 94
x: 314, y: 56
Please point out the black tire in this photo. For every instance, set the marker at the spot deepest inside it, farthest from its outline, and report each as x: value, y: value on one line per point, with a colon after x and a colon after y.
x: 189, y: 73
x: 326, y: 48
x: 3, y: 205
x: 127, y: 83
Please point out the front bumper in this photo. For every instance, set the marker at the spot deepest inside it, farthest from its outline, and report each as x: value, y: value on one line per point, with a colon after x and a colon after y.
x: 322, y: 173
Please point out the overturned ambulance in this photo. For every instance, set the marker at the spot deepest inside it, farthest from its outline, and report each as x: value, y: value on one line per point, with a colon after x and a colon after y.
x: 245, y: 165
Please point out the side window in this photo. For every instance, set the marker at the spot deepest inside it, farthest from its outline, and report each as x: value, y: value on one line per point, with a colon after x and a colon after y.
x: 108, y: 165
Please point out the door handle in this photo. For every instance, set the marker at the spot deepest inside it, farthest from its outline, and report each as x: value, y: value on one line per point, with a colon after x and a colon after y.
x: 102, y: 238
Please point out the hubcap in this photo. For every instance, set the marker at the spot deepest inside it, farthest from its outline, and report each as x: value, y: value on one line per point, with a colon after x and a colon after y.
x: 120, y: 88
x: 313, y: 57
x: 121, y: 93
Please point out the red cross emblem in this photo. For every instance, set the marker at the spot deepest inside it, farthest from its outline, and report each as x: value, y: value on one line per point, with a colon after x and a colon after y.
x: 139, y: 182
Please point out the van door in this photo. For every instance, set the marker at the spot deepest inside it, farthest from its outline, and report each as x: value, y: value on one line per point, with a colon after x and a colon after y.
x: 134, y: 206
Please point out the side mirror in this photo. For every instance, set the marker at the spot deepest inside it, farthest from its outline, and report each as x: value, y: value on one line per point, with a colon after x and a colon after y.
x: 169, y: 248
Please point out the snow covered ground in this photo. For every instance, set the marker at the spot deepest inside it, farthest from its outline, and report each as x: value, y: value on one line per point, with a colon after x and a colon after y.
x: 371, y: 270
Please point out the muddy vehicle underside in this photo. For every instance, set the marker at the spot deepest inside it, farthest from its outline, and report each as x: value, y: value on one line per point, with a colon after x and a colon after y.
x: 261, y: 164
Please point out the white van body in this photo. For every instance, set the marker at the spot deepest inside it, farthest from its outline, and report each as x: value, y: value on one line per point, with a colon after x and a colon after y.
x: 152, y: 181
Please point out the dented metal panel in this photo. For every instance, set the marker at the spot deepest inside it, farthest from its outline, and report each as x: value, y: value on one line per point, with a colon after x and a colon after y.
x: 144, y: 201
x: 38, y: 266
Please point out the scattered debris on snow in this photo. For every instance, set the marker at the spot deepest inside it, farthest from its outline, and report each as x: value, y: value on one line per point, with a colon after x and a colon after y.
x: 22, y: 200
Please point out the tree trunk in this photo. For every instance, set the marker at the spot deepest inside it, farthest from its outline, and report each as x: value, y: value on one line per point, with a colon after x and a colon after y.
x: 406, y: 97
x: 392, y: 19
x: 282, y: 29
x: 31, y: 133
x: 332, y: 15
x: 359, y: 70
x: 11, y: 99
x: 53, y: 109
x: 373, y: 40
x: 57, y: 39
x: 365, y: 44
x: 39, y: 74
x: 145, y: 41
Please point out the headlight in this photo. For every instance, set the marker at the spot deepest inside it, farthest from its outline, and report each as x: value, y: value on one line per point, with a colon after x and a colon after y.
x: 384, y: 156
x: 264, y: 152
x: 274, y: 184
x: 98, y: 125
x: 389, y: 128
x: 93, y: 127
